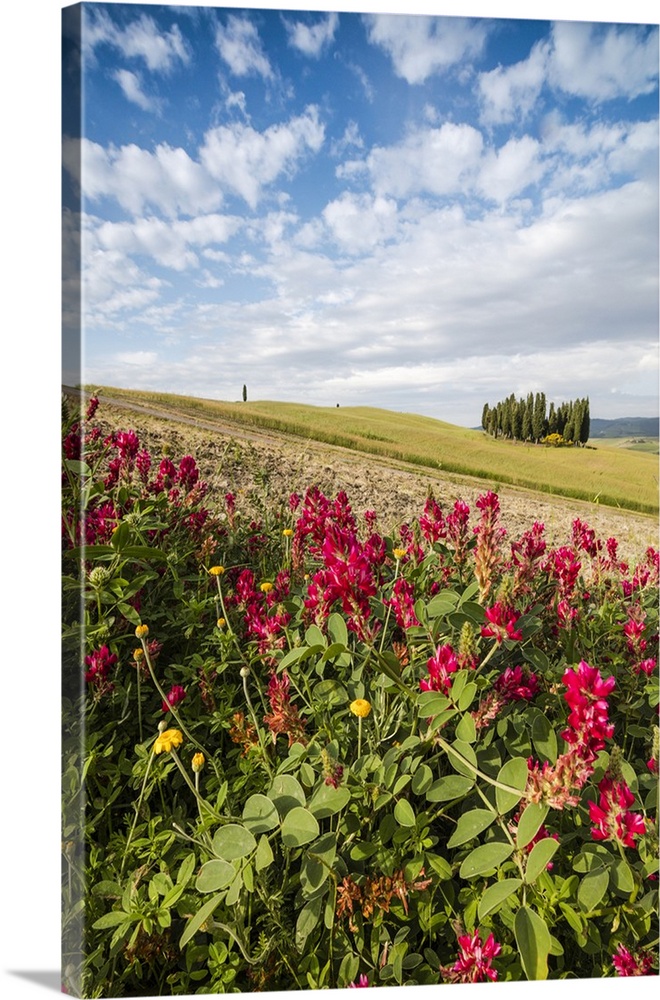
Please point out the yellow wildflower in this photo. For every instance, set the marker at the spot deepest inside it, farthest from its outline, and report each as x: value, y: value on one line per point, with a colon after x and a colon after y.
x: 398, y: 553
x: 198, y: 762
x: 142, y: 631
x: 221, y: 622
x: 217, y: 570
x: 138, y: 654
x: 266, y: 587
x: 361, y: 708
x: 287, y: 532
x: 168, y: 740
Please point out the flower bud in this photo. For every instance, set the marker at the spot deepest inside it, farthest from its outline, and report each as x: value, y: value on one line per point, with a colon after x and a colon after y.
x: 245, y: 672
x: 142, y: 631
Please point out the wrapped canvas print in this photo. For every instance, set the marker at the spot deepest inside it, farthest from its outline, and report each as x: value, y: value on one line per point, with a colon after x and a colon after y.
x: 357, y: 691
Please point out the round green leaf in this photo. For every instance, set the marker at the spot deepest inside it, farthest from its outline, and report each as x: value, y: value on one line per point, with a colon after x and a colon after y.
x: 485, y: 858
x: 621, y: 877
x: 264, y: 856
x: 260, y: 814
x: 299, y: 827
x: 496, y: 894
x: 464, y: 752
x: 470, y: 825
x: 422, y: 779
x: 514, y: 774
x: 466, y: 729
x: 534, y: 943
x: 330, y: 693
x: 233, y: 841
x: 214, y: 875
x: 530, y: 823
x: 452, y: 786
x: 539, y: 856
x: 544, y: 738
x: 327, y: 800
x: 286, y: 792
x: 404, y: 813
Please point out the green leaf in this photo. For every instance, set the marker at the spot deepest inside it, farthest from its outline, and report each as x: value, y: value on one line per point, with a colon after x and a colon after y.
x: 544, y: 738
x: 470, y: 825
x: 330, y: 693
x: 621, y: 877
x: 466, y: 731
x: 404, y: 813
x: 539, y: 856
x: 318, y: 862
x: 297, y: 654
x: 199, y: 919
x: 467, y: 697
x: 314, y: 637
x: 307, y: 920
x: 186, y: 869
x: 299, y: 827
x: 440, y: 866
x: 264, y: 856
x: 233, y: 841
x: 530, y: 823
x: 327, y: 800
x: 214, y: 875
x: 260, y: 814
x: 337, y: 629
x: 286, y: 792
x: 495, y: 895
x: 234, y: 891
x: 592, y: 888
x: 485, y: 858
x: 422, y: 779
x: 463, y: 752
x: 114, y: 919
x: 534, y: 943
x: 513, y: 773
x: 452, y: 786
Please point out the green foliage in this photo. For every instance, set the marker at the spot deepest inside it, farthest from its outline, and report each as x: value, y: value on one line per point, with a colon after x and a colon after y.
x: 319, y: 816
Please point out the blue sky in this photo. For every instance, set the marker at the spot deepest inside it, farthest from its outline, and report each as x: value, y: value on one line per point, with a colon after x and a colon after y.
x: 423, y: 213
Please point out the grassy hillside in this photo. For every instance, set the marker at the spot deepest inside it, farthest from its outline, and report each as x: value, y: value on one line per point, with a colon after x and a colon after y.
x: 613, y: 476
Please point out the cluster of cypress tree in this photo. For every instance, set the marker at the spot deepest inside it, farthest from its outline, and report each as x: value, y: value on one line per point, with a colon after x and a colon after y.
x: 526, y: 419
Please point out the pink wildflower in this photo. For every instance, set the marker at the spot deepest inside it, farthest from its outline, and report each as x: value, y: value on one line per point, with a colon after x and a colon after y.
x: 174, y: 696
x: 474, y: 962
x: 586, y: 695
x: 627, y: 963
x: 403, y: 604
x: 440, y: 666
x: 612, y: 816
x: 501, y: 623
x: 362, y: 981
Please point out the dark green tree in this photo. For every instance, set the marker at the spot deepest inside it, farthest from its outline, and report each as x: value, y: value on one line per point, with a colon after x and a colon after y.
x: 245, y: 394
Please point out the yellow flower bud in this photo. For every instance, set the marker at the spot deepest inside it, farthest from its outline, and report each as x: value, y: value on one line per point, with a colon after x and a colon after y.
x: 266, y: 587
x: 142, y: 631
x: 361, y: 708
x: 217, y: 570
x: 221, y: 622
x: 287, y: 532
x: 138, y: 654
x: 398, y: 553
x: 198, y: 762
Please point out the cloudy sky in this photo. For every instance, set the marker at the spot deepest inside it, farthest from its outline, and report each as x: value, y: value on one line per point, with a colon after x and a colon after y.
x: 416, y: 212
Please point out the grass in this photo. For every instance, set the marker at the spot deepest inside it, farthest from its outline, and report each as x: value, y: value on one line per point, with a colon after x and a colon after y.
x: 649, y: 445
x: 606, y: 474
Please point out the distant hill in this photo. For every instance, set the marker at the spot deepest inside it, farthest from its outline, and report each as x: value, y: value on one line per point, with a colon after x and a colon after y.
x: 624, y: 427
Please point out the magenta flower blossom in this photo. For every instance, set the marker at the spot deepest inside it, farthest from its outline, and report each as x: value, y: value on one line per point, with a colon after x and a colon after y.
x: 99, y: 663
x: 440, y: 666
x: 188, y: 473
x: 362, y: 981
x: 612, y: 815
x: 174, y: 696
x: 627, y: 963
x: 402, y: 603
x: 501, y: 624
x: 474, y: 962
x: 514, y: 685
x: 586, y: 695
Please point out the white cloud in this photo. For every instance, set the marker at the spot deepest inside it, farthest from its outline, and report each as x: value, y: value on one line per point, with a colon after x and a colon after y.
x: 245, y: 161
x: 437, y: 161
x: 167, y: 179
x: 601, y: 63
x: 508, y: 171
x: 144, y: 359
x: 509, y: 93
x: 239, y: 44
x: 171, y: 244
x: 131, y: 86
x: 311, y: 39
x: 359, y: 223
x: 420, y: 46
x: 141, y: 39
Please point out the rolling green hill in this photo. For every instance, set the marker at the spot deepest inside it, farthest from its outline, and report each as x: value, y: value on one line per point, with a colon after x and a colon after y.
x: 612, y: 476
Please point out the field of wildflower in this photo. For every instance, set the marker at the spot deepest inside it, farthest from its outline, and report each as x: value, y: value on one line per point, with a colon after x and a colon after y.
x: 299, y: 753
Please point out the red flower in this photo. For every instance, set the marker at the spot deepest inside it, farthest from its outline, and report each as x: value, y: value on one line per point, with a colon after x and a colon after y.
x: 502, y: 623
x: 587, y: 697
x: 174, y: 696
x: 362, y: 981
x: 440, y: 666
x: 628, y: 964
x: 612, y: 817
x: 514, y: 686
x: 474, y: 963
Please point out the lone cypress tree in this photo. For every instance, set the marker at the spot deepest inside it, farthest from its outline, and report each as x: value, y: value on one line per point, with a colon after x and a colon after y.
x: 245, y: 394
